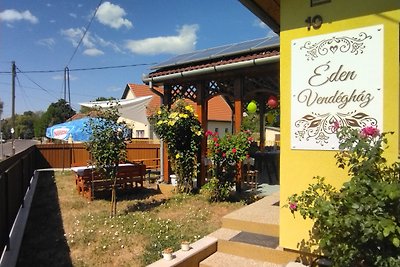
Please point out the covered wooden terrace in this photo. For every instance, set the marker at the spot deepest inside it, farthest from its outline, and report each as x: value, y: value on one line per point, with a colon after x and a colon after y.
x: 239, y: 72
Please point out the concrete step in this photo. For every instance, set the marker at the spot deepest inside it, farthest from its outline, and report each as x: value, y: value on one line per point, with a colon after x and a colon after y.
x: 261, y: 217
x: 252, y: 245
x: 220, y: 259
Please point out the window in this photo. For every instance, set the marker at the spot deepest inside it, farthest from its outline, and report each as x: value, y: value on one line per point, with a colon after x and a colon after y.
x: 139, y: 133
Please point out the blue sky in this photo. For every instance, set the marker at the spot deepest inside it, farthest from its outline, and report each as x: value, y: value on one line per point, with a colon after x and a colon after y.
x: 43, y: 34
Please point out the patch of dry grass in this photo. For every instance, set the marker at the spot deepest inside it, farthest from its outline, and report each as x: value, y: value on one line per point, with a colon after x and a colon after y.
x: 64, y: 229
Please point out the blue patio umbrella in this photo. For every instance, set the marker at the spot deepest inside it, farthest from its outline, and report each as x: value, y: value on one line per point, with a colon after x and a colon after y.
x: 79, y: 130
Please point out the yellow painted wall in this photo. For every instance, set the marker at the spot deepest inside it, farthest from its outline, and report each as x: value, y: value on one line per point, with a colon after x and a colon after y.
x: 299, y: 166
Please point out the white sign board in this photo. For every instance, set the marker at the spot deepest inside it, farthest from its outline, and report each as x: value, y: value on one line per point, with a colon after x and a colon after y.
x: 336, y: 77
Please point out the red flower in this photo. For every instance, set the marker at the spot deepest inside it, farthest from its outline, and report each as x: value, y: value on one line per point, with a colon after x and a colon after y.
x: 293, y: 206
x: 369, y: 131
x: 209, y: 133
x: 234, y: 150
x: 223, y: 155
x: 216, y: 144
x: 215, y: 139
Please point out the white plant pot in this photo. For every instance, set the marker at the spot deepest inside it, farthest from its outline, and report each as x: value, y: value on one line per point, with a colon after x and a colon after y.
x: 174, y: 180
x: 167, y: 256
x: 185, y: 247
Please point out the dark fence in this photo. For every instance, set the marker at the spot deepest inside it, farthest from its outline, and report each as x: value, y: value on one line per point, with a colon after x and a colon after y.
x: 15, y: 175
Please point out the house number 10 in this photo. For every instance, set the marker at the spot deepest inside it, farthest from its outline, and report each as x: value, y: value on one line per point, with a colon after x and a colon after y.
x: 314, y: 22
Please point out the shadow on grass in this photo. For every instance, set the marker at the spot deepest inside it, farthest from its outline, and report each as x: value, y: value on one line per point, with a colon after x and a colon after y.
x: 44, y: 243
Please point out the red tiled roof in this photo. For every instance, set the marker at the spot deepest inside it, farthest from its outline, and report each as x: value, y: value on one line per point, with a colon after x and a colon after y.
x: 218, y: 109
x: 214, y: 63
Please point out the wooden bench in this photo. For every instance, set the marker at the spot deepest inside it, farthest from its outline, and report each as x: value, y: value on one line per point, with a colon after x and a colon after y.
x: 90, y: 180
x: 152, y: 167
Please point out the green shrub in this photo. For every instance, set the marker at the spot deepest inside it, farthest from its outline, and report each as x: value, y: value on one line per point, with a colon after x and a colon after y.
x: 358, y: 224
x: 215, y: 191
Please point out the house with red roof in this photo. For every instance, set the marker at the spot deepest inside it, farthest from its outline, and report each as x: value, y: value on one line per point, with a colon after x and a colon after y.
x: 219, y: 112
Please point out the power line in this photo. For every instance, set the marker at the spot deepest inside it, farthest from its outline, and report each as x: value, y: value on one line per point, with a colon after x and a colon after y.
x: 83, y: 36
x: 85, y: 69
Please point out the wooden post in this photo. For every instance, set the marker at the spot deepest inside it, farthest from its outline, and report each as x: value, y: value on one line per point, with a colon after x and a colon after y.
x: 261, y: 99
x: 166, y: 165
x: 202, y: 107
x: 238, y: 110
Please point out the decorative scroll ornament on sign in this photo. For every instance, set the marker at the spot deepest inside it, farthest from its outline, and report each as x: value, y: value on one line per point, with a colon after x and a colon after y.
x: 335, y: 45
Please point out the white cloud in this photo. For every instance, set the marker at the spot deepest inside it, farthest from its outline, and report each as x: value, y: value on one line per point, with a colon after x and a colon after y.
x: 52, y: 21
x: 48, y: 42
x: 75, y: 34
x: 91, y: 43
x: 11, y: 15
x: 73, y: 15
x: 184, y: 42
x: 112, y: 15
x: 93, y: 52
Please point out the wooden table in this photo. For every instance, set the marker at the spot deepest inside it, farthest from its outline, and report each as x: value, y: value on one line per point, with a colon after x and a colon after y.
x: 88, y: 180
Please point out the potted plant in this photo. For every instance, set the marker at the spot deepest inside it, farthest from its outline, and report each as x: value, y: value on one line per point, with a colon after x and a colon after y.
x: 167, y: 253
x: 185, y: 245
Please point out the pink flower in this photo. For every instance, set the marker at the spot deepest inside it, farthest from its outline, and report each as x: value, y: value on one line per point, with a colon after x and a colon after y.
x: 216, y: 144
x: 223, y: 155
x: 234, y: 150
x: 293, y: 206
x: 208, y: 133
x: 335, y: 126
x: 369, y: 131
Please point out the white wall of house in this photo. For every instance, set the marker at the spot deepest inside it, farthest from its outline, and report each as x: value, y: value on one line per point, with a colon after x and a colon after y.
x: 222, y: 126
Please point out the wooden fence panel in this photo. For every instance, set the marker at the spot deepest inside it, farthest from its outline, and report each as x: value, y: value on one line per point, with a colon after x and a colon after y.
x: 15, y: 186
x: 67, y: 155
x: 15, y: 175
x: 4, y: 229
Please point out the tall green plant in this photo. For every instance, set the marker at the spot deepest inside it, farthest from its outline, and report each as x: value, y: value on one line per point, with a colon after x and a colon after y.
x: 225, y: 153
x: 179, y: 127
x: 107, y: 146
x: 358, y: 224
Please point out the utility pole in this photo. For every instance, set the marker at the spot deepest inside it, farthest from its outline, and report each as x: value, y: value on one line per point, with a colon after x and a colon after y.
x: 13, y: 74
x: 67, y: 86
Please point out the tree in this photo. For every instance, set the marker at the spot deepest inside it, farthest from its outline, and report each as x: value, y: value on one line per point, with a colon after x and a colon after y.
x: 24, y: 124
x: 107, y: 147
x: 56, y: 113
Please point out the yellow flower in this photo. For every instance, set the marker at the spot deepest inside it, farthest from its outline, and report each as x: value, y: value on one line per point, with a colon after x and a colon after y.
x: 171, y: 123
x: 173, y: 115
x: 160, y: 122
x: 159, y: 112
x: 177, y: 156
x: 189, y: 108
x: 198, y: 133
